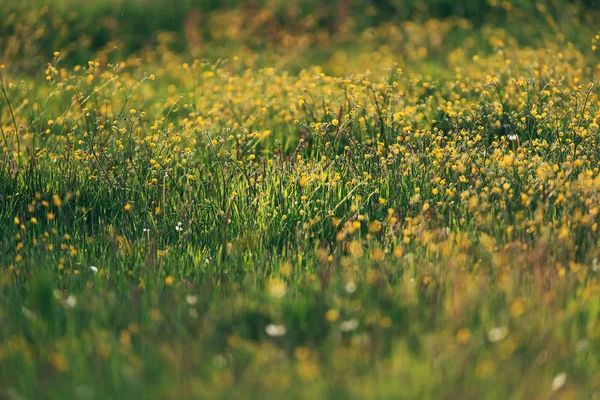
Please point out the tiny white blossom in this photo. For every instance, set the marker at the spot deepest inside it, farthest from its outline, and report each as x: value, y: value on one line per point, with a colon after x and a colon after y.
x: 70, y: 301
x: 497, y: 334
x: 275, y: 330
x: 349, y: 325
x: 93, y: 268
x: 350, y: 287
x: 191, y: 299
x: 558, y: 381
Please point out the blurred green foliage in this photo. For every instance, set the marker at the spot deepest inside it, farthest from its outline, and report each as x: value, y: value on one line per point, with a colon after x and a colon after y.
x: 32, y: 30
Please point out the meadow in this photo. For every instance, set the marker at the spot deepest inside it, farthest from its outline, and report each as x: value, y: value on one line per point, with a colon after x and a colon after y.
x: 272, y: 199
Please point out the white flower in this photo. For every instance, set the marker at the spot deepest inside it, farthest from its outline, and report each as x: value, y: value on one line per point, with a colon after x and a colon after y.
x: 191, y: 299
x: 70, y: 301
x: 512, y: 137
x: 275, y: 330
x: 350, y: 287
x: 93, y: 268
x: 349, y: 325
x: 497, y: 334
x: 558, y: 381
x: 179, y: 228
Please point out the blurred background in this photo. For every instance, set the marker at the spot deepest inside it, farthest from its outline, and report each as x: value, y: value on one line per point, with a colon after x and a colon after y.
x: 308, y: 30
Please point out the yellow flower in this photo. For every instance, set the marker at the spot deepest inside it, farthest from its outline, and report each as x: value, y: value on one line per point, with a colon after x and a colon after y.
x: 355, y: 249
x: 57, y: 200
x: 375, y: 226
x: 378, y: 254
x: 59, y: 362
x: 463, y: 336
x: 332, y: 315
x: 276, y: 288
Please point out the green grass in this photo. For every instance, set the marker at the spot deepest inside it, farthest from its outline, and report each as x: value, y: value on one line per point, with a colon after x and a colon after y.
x: 297, y: 216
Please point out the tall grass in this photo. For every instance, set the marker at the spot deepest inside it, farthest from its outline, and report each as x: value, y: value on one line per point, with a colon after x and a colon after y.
x: 416, y: 217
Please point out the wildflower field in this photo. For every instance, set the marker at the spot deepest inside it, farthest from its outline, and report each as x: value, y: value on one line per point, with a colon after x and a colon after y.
x: 314, y: 199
